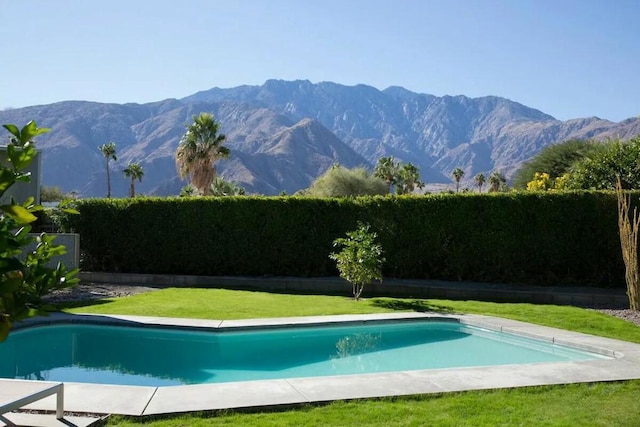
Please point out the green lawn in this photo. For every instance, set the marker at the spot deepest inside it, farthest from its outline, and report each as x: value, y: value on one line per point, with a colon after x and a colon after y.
x: 225, y: 304
x: 604, y: 404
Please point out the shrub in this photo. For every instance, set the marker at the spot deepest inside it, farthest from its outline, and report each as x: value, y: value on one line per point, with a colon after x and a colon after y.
x: 360, y: 260
x: 24, y: 275
x: 547, y: 238
x: 339, y: 181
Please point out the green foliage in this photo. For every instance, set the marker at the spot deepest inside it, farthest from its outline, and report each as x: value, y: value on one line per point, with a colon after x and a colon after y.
x: 387, y: 169
x: 405, y: 177
x: 556, y: 160
x: 360, y: 260
x: 221, y: 187
x: 408, y: 179
x: 480, y: 180
x: 199, y: 149
x: 541, y: 182
x: 187, y: 191
x: 133, y: 171
x: 51, y: 194
x: 339, y: 181
x: 600, y: 169
x: 24, y: 278
x: 497, y: 182
x: 543, y: 238
x: 457, y: 176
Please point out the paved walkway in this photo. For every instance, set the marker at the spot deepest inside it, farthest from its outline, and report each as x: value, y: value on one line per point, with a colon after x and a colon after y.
x: 623, y: 363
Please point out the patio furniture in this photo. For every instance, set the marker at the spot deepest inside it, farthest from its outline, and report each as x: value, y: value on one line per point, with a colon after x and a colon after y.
x: 14, y: 394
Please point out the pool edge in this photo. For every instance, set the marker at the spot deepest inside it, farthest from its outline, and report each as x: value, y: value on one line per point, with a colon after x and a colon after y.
x: 138, y: 400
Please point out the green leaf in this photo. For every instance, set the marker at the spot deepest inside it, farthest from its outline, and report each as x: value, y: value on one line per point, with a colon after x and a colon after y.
x: 70, y: 211
x: 24, y: 177
x: 20, y: 157
x: 13, y: 129
x: 19, y: 213
x: 27, y: 131
x: 7, y: 178
x: 64, y: 207
x: 27, y: 203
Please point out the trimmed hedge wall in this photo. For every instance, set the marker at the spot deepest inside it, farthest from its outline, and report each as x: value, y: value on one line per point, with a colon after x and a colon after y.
x: 542, y: 238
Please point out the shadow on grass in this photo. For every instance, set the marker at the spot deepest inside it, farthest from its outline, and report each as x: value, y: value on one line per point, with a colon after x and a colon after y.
x: 84, y: 303
x: 421, y: 306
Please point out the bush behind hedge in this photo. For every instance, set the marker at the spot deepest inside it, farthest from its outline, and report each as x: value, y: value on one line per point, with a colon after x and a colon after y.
x: 538, y: 238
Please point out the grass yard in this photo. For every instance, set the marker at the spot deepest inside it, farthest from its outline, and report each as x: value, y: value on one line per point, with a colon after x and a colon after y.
x: 603, y: 404
x: 225, y: 305
x: 613, y: 404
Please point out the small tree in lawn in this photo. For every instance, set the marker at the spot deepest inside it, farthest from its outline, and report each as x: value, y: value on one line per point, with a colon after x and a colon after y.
x: 360, y: 260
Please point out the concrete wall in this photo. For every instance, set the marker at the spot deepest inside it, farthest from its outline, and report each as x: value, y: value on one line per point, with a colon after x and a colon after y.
x: 71, y: 241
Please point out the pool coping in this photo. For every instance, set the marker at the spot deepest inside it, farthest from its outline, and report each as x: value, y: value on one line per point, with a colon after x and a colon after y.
x: 624, y: 364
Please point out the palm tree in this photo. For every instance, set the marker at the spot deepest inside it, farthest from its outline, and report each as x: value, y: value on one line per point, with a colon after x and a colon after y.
x: 199, y: 149
x: 109, y: 152
x: 480, y: 180
x: 496, y: 181
x: 457, y: 176
x: 387, y: 170
x: 186, y: 191
x: 408, y: 179
x: 133, y: 171
x: 221, y: 187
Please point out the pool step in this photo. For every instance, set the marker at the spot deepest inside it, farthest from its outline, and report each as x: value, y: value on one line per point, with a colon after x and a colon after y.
x: 44, y: 420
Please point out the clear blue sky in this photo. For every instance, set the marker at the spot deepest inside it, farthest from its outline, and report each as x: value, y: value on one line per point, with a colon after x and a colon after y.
x: 568, y: 58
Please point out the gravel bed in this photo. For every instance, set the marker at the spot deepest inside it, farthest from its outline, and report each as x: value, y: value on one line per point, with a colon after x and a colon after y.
x: 92, y: 291
x: 625, y: 314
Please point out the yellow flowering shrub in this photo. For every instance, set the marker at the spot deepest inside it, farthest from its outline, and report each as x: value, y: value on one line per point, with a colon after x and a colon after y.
x: 561, y: 182
x: 541, y: 182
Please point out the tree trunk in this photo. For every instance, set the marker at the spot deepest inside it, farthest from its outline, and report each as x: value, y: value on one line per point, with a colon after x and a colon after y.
x: 108, y: 181
x: 357, y: 291
x: 132, y: 188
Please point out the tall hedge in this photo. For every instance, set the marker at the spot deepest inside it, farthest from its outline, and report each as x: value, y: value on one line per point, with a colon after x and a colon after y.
x: 538, y: 238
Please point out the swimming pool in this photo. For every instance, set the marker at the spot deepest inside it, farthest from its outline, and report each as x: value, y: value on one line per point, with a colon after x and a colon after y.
x: 623, y: 364
x: 151, y: 356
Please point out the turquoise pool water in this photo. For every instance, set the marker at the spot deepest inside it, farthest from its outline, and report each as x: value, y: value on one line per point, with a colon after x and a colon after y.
x: 161, y: 357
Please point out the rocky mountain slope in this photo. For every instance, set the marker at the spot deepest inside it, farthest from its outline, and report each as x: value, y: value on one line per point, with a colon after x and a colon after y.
x: 284, y: 134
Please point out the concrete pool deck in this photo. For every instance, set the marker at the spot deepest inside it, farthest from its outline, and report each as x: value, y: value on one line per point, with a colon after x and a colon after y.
x: 624, y: 364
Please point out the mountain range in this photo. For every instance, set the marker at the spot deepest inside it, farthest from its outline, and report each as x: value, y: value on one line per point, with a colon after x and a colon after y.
x: 284, y: 134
